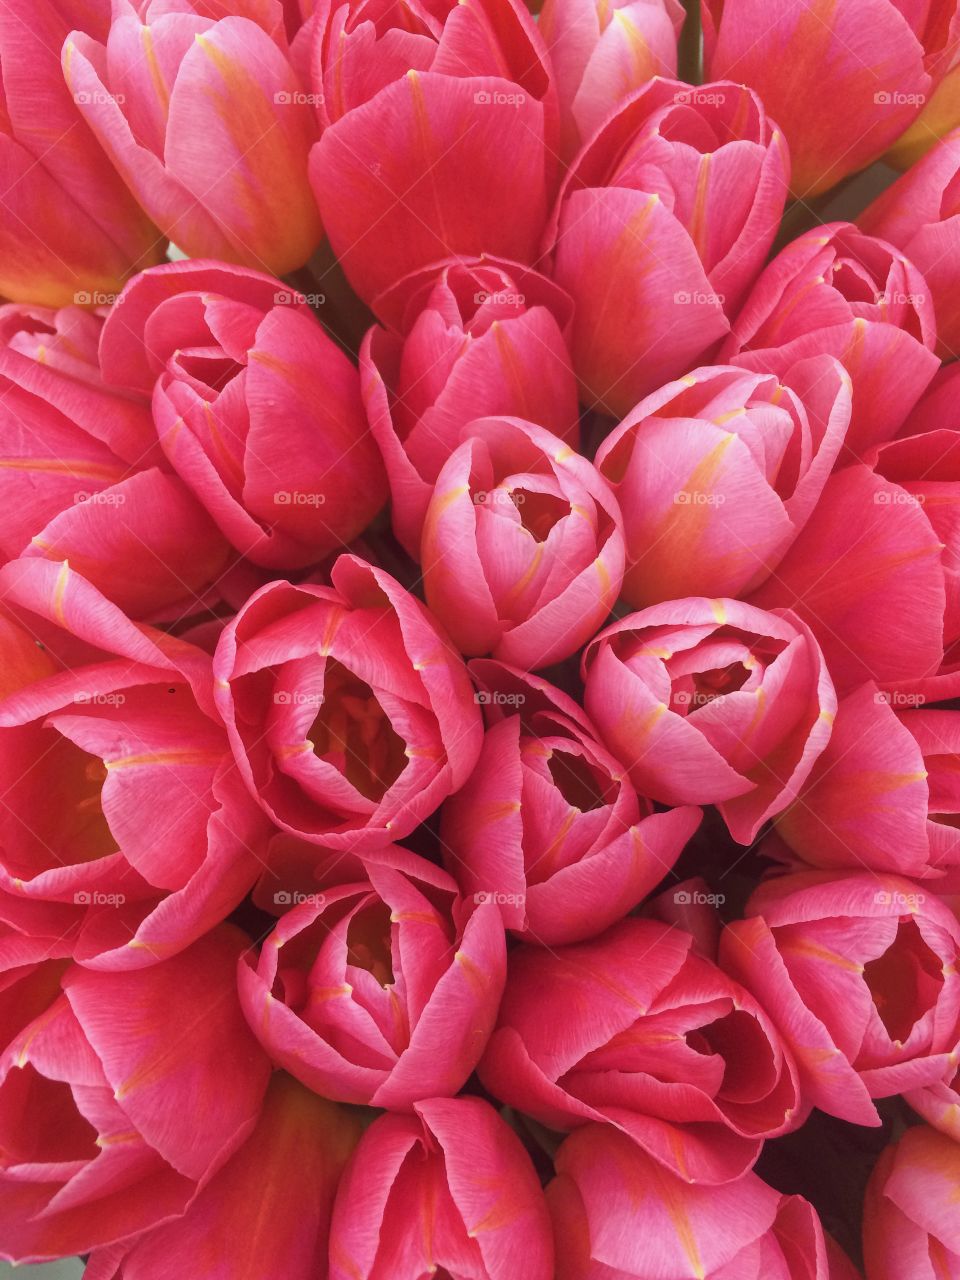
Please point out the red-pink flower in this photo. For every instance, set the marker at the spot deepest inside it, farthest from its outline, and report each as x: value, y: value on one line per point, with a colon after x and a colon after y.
x: 104, y: 721
x: 450, y: 1187
x: 82, y: 477
x: 664, y: 219
x: 602, y: 52
x: 547, y: 826
x: 859, y: 972
x: 910, y: 1221
x: 618, y: 1215
x: 440, y: 137
x: 637, y: 1030
x: 712, y: 702
x: 288, y: 1168
x: 844, y: 80
x: 522, y: 548
x: 208, y: 125
x: 108, y: 1133
x: 470, y: 340
x: 256, y: 408
x: 381, y: 992
x: 69, y: 229
x: 885, y: 793
x: 717, y: 473
x: 350, y: 715
x: 835, y: 291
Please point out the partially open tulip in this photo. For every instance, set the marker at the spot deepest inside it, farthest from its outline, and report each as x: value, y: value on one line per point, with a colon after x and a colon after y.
x: 869, y: 573
x: 920, y: 214
x: 288, y: 1167
x: 210, y: 128
x: 618, y: 1215
x: 350, y: 715
x: 108, y: 1133
x: 441, y: 139
x: 70, y: 231
x: 257, y: 409
x: 843, y: 80
x: 381, y: 992
x: 712, y: 702
x: 472, y: 340
x: 450, y: 1188
x: 602, y: 52
x: 717, y: 473
x: 104, y: 721
x: 522, y: 548
x: 884, y: 794
x: 910, y: 1221
x: 835, y: 291
x: 663, y: 221
x: 547, y: 826
x: 859, y: 973
x: 636, y: 1030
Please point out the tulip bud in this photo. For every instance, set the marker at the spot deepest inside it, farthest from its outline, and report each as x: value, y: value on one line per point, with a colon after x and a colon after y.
x: 910, y: 1223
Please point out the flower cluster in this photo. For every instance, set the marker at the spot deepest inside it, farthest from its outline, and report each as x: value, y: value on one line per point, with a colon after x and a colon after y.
x: 480, y: 639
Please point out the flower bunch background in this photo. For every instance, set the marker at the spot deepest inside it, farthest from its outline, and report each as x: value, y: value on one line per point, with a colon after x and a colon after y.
x: 480, y: 639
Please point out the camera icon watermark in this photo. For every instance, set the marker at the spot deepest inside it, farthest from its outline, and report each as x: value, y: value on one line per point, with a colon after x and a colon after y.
x: 293, y: 898
x: 498, y: 898
x: 697, y: 898
x: 84, y: 698
x: 698, y: 298
x: 896, y: 898
x: 293, y: 297
x: 485, y: 698
x: 697, y: 498
x: 501, y: 298
x: 96, y: 898
x: 296, y: 698
x: 497, y: 98
x: 104, y: 498
x: 298, y: 498
x: 897, y: 698
x: 896, y: 98
x: 297, y: 98
x: 98, y: 98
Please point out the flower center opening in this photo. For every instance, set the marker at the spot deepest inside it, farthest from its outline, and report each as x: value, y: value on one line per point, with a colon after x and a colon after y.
x: 905, y: 982
x: 368, y: 942
x: 354, y: 734
x: 582, y: 785
x: 539, y: 512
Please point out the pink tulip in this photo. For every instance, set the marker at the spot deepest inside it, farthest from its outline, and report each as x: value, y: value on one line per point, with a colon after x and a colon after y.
x: 69, y: 229
x: 869, y: 573
x: 638, y: 1031
x: 718, y: 472
x: 858, y: 971
x: 910, y: 1222
x: 548, y: 828
x: 80, y: 479
x: 288, y: 1168
x: 664, y: 219
x: 105, y: 721
x: 451, y: 1188
x: 440, y: 138
x: 476, y: 339
x: 602, y: 52
x: 257, y: 410
x: 712, y: 702
x: 210, y: 128
x: 919, y: 214
x: 350, y: 716
x: 843, y: 80
x: 884, y: 794
x: 111, y: 1126
x: 618, y: 1215
x: 522, y: 548
x: 382, y: 992
x: 835, y: 291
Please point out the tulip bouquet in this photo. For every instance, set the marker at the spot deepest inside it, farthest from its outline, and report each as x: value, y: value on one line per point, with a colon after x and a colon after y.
x: 480, y: 639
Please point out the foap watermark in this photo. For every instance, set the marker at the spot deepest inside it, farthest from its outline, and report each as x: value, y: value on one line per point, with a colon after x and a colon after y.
x: 97, y: 898
x: 896, y: 898
x: 297, y: 698
x: 500, y: 298
x: 698, y: 298
x: 497, y: 98
x: 105, y: 498
x: 697, y: 498
x: 298, y: 498
x: 698, y: 898
x: 695, y: 96
x: 897, y: 98
x: 896, y: 698
x: 499, y: 898
x: 96, y: 298
x: 85, y: 698
x: 694, y: 698
x: 292, y: 297
x: 297, y: 98
x: 497, y: 498
x: 898, y: 498
x: 895, y: 298
x: 293, y: 898
x: 494, y: 698
x: 98, y: 98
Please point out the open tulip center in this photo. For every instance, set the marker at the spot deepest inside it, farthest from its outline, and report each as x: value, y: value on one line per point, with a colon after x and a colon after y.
x: 353, y: 733
x: 539, y: 512
x: 55, y: 1132
x: 905, y: 982
x: 73, y: 830
x: 212, y: 368
x: 583, y: 786
x: 368, y: 942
